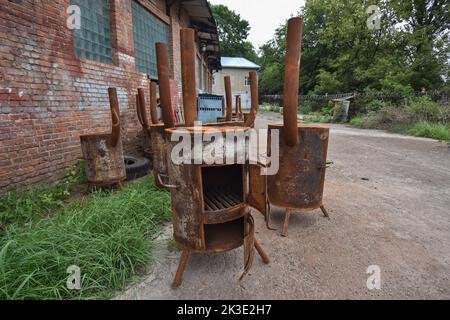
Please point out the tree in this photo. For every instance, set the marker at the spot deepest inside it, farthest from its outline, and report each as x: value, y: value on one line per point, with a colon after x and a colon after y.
x: 233, y: 33
x: 409, y: 51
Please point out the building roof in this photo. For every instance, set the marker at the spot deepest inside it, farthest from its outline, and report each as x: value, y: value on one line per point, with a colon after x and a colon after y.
x: 239, y: 63
x: 203, y: 22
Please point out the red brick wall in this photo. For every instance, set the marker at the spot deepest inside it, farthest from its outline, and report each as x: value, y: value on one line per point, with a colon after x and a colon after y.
x: 49, y: 97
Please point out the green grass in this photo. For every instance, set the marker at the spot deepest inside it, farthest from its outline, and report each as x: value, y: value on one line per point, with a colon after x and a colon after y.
x: 430, y: 130
x: 317, y: 119
x: 109, y: 235
x: 358, y: 121
x: 423, y: 129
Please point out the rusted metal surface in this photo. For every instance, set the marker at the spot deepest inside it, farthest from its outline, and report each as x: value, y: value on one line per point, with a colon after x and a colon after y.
x: 291, y: 81
x: 239, y: 108
x: 115, y: 114
x: 153, y: 102
x: 188, y: 57
x: 103, y: 152
x: 209, y: 202
x: 299, y: 183
x: 182, y: 265
x: 159, y: 147
x: 250, y: 119
x: 164, y: 85
x: 187, y: 206
x: 142, y: 111
x: 258, y: 190
x: 104, y: 163
x: 228, y: 98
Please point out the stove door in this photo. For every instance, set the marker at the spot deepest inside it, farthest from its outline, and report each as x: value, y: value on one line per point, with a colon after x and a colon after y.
x: 257, y: 195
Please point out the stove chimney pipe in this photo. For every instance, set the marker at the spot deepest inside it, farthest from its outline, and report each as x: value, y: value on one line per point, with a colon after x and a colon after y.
x: 291, y: 80
x: 164, y: 85
x: 188, y: 76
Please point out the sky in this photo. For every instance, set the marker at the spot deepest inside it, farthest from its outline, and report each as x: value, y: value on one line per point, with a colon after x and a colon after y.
x: 264, y: 15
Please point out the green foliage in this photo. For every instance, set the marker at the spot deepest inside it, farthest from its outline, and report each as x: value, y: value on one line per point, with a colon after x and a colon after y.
x: 375, y: 105
x: 20, y: 207
x: 421, y: 117
x: 108, y: 235
x: 431, y: 130
x: 358, y: 121
x: 425, y: 109
x: 341, y: 54
x: 305, y: 108
x: 233, y: 33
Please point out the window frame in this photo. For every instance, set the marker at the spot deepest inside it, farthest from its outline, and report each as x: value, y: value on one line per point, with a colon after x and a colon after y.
x: 152, y: 72
x: 81, y: 52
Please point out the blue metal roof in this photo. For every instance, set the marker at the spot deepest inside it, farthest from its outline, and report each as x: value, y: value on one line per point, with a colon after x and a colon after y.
x: 239, y: 62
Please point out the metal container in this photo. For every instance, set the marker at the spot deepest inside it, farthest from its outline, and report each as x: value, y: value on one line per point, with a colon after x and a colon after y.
x: 299, y: 183
x: 209, y: 108
x: 103, y: 152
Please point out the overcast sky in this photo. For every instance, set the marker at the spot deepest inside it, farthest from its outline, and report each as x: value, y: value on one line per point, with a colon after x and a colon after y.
x: 264, y: 15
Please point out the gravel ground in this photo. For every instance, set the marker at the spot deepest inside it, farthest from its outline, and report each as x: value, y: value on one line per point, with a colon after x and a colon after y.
x: 389, y: 200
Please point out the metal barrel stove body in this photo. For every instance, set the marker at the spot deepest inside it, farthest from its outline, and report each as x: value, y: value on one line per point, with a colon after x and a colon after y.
x: 299, y: 182
x: 103, y: 152
x: 210, y: 207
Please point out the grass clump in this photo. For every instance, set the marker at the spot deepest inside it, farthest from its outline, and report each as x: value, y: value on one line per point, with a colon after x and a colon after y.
x: 107, y: 235
x: 431, y: 130
x: 420, y: 117
x: 20, y: 208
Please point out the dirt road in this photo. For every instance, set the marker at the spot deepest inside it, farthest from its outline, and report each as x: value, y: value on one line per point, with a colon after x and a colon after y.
x: 389, y: 200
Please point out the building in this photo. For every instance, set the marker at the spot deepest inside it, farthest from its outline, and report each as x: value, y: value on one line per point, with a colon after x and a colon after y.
x: 57, y: 59
x: 238, y: 69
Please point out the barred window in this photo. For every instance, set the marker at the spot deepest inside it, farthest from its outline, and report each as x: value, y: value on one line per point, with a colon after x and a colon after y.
x: 93, y: 40
x: 247, y: 81
x: 147, y: 30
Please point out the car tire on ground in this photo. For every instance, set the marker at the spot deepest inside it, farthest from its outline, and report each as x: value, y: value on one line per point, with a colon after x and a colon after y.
x: 136, y: 167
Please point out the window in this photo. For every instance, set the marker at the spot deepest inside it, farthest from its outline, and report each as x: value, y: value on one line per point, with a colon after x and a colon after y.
x: 147, y: 30
x: 93, y: 40
x: 213, y: 79
x: 247, y: 81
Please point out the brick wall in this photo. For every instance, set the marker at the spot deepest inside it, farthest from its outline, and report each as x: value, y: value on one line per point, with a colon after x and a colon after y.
x: 49, y: 97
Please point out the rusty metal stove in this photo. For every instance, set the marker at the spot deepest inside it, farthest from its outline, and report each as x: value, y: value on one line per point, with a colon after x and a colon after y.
x: 210, y: 202
x: 299, y: 183
x: 103, y: 152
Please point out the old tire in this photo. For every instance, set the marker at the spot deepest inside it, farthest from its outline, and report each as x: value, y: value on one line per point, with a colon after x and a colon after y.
x: 136, y: 167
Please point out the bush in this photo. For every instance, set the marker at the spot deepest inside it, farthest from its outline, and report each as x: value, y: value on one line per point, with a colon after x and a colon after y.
x: 425, y: 109
x: 305, y: 108
x: 375, y: 106
x: 358, y: 121
x: 431, y: 130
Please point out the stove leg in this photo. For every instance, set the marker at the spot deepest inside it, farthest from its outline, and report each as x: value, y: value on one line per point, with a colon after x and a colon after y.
x: 262, y: 253
x: 286, y: 223
x: 179, y: 276
x: 325, y: 213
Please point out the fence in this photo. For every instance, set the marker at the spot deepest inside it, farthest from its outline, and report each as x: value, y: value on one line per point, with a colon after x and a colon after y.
x: 359, y: 100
